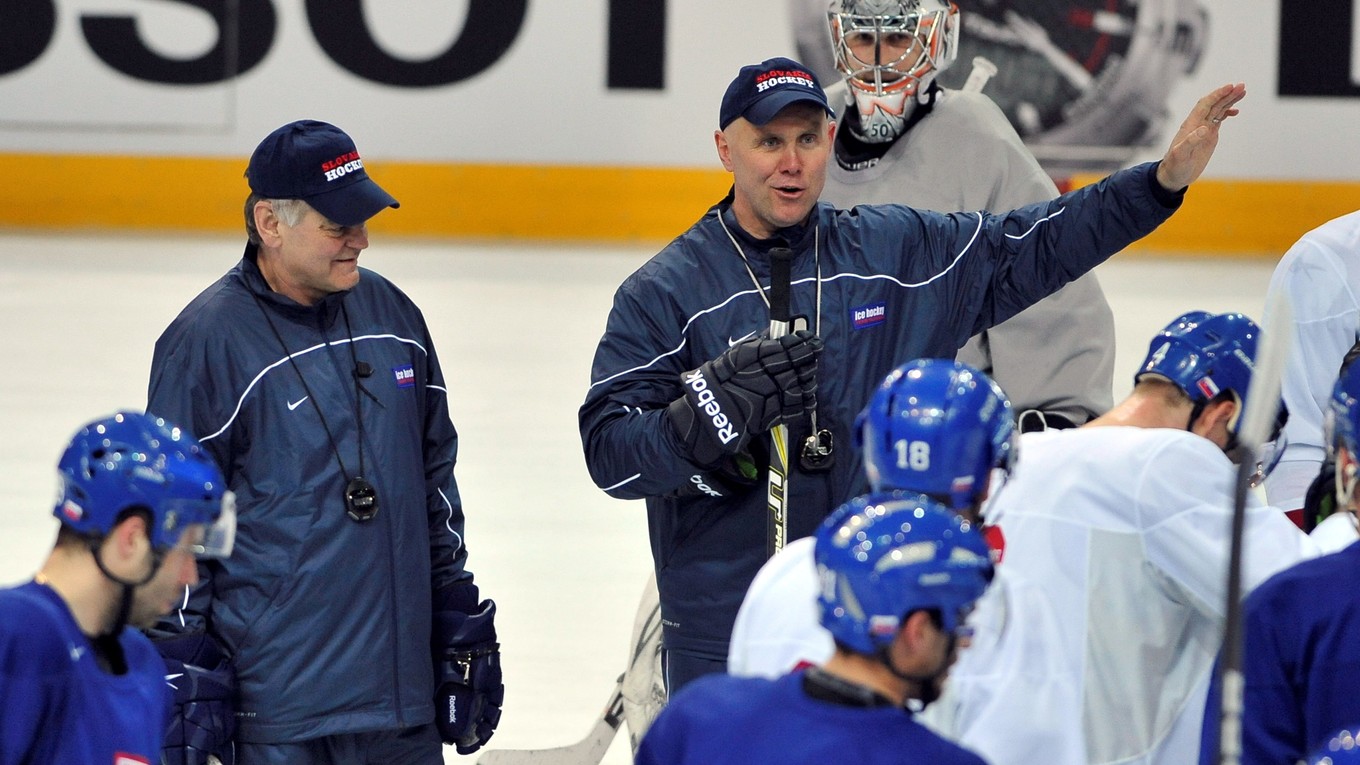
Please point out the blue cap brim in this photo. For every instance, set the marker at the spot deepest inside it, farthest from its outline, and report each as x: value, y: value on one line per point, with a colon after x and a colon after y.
x: 353, y: 204
x: 764, y: 110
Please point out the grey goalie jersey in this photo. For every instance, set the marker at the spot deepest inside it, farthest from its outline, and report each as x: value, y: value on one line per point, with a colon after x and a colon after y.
x: 1056, y: 356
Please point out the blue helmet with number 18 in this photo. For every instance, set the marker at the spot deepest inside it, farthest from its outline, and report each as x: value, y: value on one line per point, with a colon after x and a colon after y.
x: 135, y: 461
x: 937, y: 427
x: 882, y: 556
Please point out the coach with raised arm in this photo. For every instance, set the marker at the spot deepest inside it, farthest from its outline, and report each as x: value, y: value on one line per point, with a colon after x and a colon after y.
x: 348, y: 616
x: 686, y: 383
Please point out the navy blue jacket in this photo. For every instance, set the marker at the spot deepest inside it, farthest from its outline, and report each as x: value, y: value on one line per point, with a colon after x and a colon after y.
x: 896, y: 284
x: 328, y: 620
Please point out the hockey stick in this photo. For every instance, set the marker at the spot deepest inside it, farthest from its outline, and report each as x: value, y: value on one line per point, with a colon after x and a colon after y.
x: 777, y: 489
x: 1258, y: 419
x: 588, y: 751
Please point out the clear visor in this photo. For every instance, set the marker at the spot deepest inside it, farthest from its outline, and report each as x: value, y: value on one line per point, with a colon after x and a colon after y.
x: 219, y: 538
x: 1266, y: 459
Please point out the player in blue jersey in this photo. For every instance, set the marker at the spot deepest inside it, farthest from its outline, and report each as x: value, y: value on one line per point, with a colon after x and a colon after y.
x: 140, y: 500
x: 1300, y: 659
x: 898, y: 573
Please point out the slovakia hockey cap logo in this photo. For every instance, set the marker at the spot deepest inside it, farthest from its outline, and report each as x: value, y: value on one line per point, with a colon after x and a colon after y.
x: 761, y: 90
x: 319, y: 164
x: 404, y: 375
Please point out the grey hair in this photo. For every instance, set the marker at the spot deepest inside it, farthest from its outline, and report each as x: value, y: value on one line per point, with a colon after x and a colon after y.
x: 290, y: 212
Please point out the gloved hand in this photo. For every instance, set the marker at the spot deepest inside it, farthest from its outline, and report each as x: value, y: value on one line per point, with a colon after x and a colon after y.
x: 203, y: 716
x: 467, y: 661
x: 750, y: 388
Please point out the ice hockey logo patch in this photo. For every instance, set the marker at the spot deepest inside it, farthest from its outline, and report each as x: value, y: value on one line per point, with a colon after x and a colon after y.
x: 869, y: 315
x: 405, y: 376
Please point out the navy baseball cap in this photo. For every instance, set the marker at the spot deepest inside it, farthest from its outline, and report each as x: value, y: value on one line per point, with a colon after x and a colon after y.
x: 317, y: 163
x: 761, y: 90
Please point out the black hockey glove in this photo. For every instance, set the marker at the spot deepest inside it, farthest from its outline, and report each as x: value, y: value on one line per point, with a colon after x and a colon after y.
x: 203, y: 717
x: 750, y: 388
x: 467, y: 667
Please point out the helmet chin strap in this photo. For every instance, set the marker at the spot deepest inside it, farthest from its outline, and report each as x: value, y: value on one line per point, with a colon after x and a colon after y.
x: 128, y: 587
x: 928, y: 684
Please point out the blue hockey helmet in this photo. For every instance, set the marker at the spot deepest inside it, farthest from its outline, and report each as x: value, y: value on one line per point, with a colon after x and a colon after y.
x: 1205, y: 354
x: 1342, y: 748
x: 1343, y: 412
x: 882, y: 556
x: 938, y: 427
x: 133, y: 460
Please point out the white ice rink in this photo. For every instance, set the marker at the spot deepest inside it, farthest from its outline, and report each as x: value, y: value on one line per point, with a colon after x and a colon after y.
x: 515, y: 327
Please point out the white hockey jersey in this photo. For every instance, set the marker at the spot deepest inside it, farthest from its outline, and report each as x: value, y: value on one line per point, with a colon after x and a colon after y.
x: 1126, y: 533
x: 777, y: 628
x: 1096, y: 640
x: 1320, y: 275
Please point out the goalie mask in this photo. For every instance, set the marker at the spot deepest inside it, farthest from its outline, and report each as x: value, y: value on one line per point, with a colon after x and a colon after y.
x: 889, y: 51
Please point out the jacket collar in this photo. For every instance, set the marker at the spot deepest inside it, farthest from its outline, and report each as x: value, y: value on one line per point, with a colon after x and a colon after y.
x: 795, y: 237
x: 325, y: 310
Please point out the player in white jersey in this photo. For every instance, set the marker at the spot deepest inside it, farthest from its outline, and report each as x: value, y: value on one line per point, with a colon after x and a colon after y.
x: 903, y: 139
x: 935, y: 427
x: 1320, y: 275
x: 1125, y: 522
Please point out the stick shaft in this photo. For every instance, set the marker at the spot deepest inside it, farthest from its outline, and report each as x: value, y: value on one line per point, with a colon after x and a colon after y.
x: 776, y: 494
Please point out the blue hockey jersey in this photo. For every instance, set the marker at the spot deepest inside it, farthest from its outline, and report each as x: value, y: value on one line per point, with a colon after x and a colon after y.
x: 57, y: 705
x: 721, y: 720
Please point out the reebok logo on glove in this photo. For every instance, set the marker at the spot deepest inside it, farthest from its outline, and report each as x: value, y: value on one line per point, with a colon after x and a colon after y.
x: 705, y: 400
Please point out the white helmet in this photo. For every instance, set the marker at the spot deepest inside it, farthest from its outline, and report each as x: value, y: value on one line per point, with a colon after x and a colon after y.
x: 880, y: 85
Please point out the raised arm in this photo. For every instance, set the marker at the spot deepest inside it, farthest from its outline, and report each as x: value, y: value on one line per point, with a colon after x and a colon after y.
x: 1195, y: 141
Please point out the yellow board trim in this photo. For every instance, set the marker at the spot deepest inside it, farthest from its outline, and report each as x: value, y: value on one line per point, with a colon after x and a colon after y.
x: 555, y: 203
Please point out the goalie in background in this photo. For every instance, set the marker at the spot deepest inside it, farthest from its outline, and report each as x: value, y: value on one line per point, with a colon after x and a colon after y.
x: 139, y: 501
x: 902, y: 138
x: 898, y: 573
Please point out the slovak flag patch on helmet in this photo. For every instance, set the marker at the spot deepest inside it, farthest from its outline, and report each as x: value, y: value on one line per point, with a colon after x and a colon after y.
x: 405, y: 376
x: 72, y: 511
x: 883, y: 625
x: 1207, y: 387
